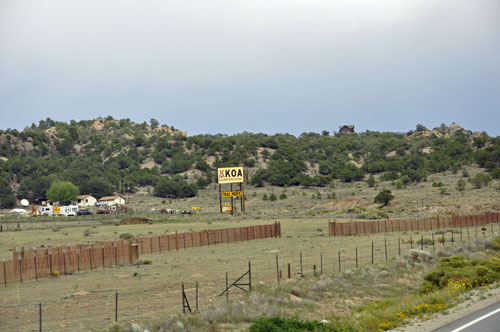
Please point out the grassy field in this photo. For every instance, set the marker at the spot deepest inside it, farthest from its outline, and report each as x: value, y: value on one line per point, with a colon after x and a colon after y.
x: 86, y: 300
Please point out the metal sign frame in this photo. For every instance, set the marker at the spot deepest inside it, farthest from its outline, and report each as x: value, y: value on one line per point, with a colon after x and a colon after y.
x: 231, y: 175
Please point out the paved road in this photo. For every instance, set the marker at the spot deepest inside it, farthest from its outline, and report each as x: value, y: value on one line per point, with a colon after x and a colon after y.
x: 484, y: 320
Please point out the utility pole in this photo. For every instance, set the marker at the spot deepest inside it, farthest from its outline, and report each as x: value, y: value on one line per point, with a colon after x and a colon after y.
x: 462, y: 181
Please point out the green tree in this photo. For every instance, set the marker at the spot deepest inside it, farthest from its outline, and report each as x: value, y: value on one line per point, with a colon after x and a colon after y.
x: 371, y: 181
x: 7, y: 199
x: 97, y: 187
x: 480, y: 180
x: 384, y: 197
x: 175, y: 187
x: 62, y: 191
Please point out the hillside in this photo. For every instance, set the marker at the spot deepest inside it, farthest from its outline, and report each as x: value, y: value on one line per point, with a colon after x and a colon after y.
x: 97, y: 155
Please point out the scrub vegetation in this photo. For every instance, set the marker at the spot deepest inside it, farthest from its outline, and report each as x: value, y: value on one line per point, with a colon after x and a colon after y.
x: 99, y: 155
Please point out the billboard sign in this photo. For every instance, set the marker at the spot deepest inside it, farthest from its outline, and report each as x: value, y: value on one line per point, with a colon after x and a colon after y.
x: 231, y: 194
x: 230, y: 175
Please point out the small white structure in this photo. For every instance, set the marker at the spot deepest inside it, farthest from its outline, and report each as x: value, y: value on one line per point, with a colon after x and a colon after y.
x: 111, y: 200
x: 85, y: 200
x: 18, y: 211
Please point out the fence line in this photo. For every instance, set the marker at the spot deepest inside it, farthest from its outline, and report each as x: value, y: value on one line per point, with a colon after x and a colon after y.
x: 405, y: 225
x: 336, y: 261
x: 45, y: 262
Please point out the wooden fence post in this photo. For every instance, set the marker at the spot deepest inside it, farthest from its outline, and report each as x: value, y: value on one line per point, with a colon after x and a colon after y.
x: 116, y: 306
x: 102, y: 249
x: 372, y: 254
x: 277, y: 269
x: 20, y: 270
x: 321, y: 264
x: 176, y: 241
x: 40, y: 316
x: 301, y: 274
x: 4, y: 274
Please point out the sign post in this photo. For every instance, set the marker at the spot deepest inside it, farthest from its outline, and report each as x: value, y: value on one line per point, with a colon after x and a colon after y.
x: 230, y: 175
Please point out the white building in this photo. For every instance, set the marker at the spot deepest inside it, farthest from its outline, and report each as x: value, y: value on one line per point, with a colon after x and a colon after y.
x: 111, y: 200
x: 86, y: 200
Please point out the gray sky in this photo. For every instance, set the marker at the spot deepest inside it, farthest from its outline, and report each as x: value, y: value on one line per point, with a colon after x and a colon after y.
x: 257, y: 65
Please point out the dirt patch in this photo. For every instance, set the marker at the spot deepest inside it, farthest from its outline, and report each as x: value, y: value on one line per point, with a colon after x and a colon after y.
x: 344, y: 204
x: 134, y: 221
x: 149, y: 163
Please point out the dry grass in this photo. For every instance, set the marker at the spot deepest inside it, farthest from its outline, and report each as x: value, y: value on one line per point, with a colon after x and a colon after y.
x: 86, y: 300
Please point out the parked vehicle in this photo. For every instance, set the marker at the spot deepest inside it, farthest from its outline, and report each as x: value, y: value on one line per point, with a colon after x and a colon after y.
x: 70, y: 210
x: 49, y: 210
x: 84, y: 212
x: 45, y: 210
x: 102, y: 211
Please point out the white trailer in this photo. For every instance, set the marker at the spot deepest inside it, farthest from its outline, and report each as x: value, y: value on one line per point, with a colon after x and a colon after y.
x: 69, y: 210
x: 51, y: 210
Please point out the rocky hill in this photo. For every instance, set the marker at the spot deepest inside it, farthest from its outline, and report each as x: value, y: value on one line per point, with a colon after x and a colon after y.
x: 97, y: 155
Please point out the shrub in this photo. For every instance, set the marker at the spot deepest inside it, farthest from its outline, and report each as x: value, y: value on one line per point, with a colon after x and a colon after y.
x: 272, y: 197
x: 384, y: 197
x: 126, y: 236
x: 279, y: 324
x: 283, y: 196
x: 480, y: 180
x: 495, y: 243
x: 457, y: 273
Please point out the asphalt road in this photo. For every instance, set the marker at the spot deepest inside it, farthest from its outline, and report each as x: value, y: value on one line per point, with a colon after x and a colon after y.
x: 484, y: 320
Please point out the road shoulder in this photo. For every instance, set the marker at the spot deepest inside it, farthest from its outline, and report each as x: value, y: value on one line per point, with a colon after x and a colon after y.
x: 479, y: 299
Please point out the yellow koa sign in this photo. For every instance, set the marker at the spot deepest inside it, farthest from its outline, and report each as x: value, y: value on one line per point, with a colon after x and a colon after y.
x: 230, y: 175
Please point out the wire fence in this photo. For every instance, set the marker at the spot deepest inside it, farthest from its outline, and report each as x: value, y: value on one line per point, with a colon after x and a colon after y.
x: 144, y: 301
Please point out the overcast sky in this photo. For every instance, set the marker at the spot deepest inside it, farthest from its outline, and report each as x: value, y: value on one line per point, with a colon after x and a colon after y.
x: 227, y: 66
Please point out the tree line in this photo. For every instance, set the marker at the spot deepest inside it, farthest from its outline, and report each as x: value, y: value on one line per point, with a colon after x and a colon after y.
x: 97, y: 155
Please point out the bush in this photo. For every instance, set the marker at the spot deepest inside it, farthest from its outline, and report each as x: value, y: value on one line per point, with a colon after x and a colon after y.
x: 389, y: 176
x: 480, y: 180
x: 384, y: 197
x: 279, y: 324
x: 495, y: 243
x: 126, y: 236
x: 272, y: 197
x: 283, y: 196
x: 457, y: 273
